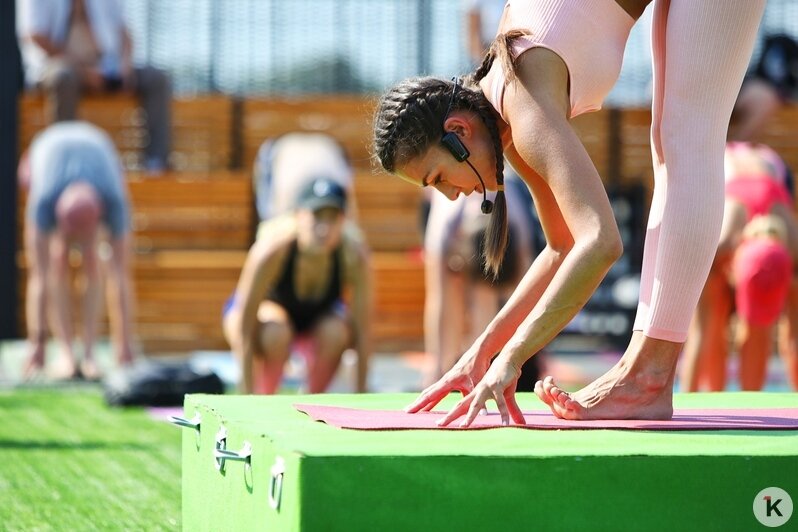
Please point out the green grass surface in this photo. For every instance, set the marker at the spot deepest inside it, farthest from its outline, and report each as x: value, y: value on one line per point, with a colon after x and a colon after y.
x: 68, y: 462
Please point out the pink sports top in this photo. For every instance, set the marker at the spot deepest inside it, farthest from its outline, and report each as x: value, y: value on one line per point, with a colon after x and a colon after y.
x: 757, y: 193
x: 588, y: 35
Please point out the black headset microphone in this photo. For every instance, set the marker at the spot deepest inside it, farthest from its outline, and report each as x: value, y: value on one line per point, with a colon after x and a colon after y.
x: 458, y: 150
x: 461, y: 153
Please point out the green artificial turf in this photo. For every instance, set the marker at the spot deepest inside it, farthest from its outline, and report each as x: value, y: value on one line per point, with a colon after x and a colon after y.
x: 68, y: 462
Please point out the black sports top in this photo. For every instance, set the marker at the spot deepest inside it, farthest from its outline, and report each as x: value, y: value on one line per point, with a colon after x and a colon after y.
x: 304, y: 313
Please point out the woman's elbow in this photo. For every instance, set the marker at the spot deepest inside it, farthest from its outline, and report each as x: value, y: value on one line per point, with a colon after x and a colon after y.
x: 606, y: 249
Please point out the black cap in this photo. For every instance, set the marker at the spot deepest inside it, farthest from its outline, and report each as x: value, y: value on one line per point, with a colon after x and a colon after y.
x: 322, y: 192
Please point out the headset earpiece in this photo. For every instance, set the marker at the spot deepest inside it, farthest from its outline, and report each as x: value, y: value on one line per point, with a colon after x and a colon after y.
x: 455, y: 146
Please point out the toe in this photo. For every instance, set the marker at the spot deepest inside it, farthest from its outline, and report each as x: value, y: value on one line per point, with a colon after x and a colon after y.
x: 560, y: 396
x: 541, y: 393
x: 548, y: 385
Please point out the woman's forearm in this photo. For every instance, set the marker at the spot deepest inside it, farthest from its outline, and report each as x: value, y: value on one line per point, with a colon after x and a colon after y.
x: 362, y: 311
x: 572, y: 285
x: 521, y: 302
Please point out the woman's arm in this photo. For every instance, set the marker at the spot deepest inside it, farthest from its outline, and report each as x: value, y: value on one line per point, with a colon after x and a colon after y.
x: 582, y: 237
x: 261, y: 268
x: 531, y: 287
x: 358, y: 276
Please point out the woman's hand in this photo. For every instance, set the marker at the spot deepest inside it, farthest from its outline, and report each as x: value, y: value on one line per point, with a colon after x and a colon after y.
x: 499, y: 384
x: 462, y: 377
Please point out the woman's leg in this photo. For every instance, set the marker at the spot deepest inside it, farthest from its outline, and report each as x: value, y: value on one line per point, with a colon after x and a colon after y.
x: 755, y: 350
x: 714, y: 355
x: 707, y: 46
x: 701, y: 51
x: 788, y: 337
x: 444, y: 301
x: 332, y: 335
x: 706, y: 350
x: 444, y: 315
x: 275, y: 334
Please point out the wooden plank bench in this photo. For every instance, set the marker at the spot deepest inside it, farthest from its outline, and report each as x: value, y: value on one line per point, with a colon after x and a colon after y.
x: 399, y: 292
x: 180, y: 295
x: 192, y: 211
x: 635, y: 146
x: 202, y: 128
x: 346, y: 118
x: 388, y: 211
x: 781, y: 134
x: 593, y: 130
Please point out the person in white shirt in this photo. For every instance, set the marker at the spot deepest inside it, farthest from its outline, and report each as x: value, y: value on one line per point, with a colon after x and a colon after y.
x: 74, y: 46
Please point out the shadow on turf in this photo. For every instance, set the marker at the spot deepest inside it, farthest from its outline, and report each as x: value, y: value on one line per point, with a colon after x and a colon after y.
x: 51, y: 445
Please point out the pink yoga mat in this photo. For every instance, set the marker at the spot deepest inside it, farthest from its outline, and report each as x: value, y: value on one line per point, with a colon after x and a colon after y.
x: 687, y: 419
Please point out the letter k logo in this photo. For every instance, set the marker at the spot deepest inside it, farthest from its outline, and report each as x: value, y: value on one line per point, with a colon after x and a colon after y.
x: 772, y: 506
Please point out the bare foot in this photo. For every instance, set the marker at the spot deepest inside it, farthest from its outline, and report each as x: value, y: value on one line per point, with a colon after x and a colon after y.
x: 89, y: 370
x: 64, y: 369
x: 33, y: 369
x: 639, y: 386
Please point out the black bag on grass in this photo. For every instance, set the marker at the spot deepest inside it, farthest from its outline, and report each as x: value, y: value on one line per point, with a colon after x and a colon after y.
x: 158, y: 384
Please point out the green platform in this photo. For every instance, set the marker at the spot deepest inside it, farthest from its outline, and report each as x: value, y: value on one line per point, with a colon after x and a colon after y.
x: 503, y: 479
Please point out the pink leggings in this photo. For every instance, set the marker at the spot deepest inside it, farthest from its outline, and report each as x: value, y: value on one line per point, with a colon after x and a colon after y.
x: 700, y: 49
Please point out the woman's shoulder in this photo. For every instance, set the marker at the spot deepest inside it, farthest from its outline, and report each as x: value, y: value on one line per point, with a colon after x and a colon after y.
x: 353, y: 244
x: 274, y: 236
x: 281, y: 228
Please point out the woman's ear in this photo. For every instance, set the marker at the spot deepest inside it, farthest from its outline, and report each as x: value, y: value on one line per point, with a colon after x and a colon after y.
x: 458, y: 125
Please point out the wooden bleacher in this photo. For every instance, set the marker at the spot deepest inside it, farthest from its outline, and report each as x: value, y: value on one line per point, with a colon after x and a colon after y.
x: 193, y: 226
x: 346, y: 118
x: 190, y: 210
x: 202, y: 128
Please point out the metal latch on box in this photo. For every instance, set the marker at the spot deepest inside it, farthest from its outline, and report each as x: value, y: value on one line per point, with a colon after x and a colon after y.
x: 221, y: 454
x: 276, y: 483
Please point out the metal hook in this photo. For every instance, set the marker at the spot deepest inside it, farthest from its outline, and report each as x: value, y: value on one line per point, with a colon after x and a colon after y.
x: 276, y: 483
x: 193, y: 423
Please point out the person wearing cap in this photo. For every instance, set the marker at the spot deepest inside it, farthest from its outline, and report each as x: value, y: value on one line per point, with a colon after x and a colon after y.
x: 77, y: 200
x: 292, y: 288
x: 284, y: 165
x: 753, y: 276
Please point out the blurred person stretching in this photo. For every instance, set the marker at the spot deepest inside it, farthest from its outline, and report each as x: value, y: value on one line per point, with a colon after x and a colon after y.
x: 752, y: 275
x: 74, y: 46
x: 285, y: 165
x: 77, y: 199
x: 292, y: 288
x: 460, y: 300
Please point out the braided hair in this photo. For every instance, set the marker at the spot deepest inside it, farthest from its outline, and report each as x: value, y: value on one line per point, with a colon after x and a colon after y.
x: 409, y: 120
